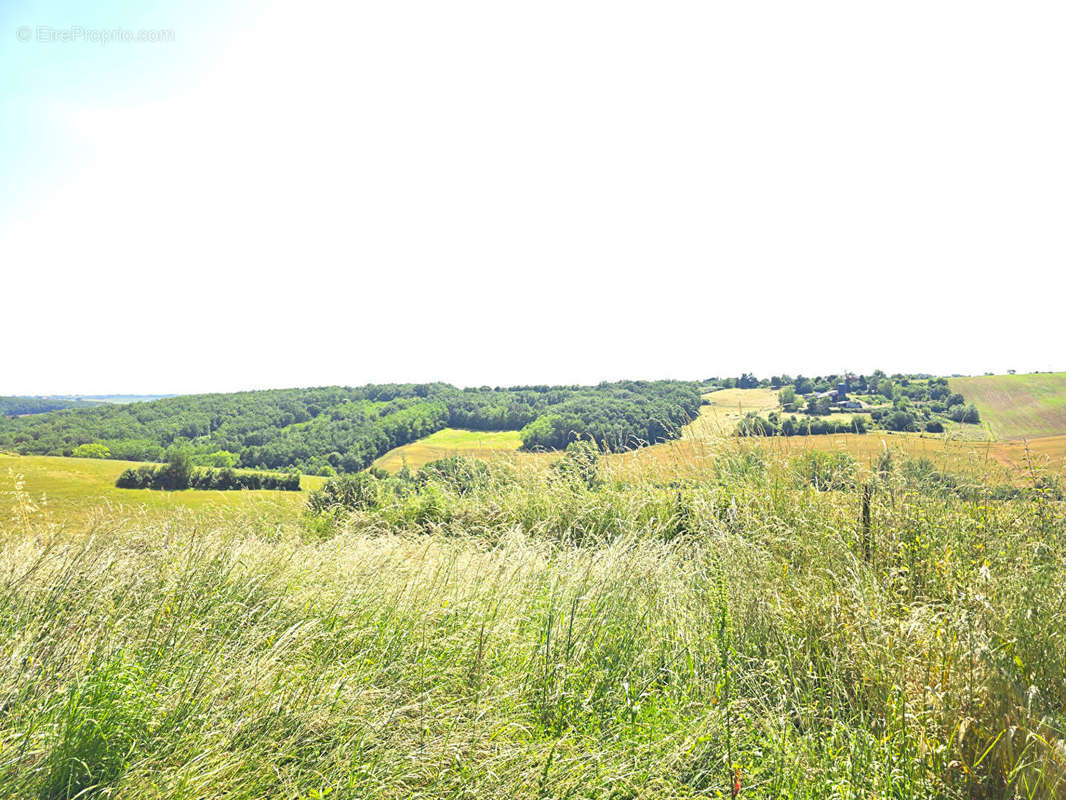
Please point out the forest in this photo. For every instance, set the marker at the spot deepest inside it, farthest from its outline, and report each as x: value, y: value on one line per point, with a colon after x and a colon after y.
x: 343, y: 429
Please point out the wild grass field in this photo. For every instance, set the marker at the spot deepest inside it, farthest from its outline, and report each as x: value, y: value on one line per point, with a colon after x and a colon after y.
x: 740, y: 633
x: 1018, y: 406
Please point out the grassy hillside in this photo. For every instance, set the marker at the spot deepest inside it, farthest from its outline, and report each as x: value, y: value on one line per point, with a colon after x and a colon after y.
x: 76, y: 488
x: 540, y: 639
x: 1017, y: 406
x: 450, y: 442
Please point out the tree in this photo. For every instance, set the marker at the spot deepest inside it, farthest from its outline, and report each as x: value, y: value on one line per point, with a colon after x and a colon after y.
x: 221, y: 459
x: 818, y: 406
x: 964, y: 413
x: 177, y: 473
x: 91, y: 450
x: 900, y: 421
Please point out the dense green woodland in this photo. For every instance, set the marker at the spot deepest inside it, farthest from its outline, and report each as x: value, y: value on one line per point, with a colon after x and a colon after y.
x: 337, y: 428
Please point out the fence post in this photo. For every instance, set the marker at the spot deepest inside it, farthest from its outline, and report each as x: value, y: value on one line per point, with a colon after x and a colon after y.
x: 867, y: 493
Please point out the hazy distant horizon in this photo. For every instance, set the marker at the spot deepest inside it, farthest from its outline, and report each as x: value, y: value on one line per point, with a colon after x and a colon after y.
x: 719, y: 375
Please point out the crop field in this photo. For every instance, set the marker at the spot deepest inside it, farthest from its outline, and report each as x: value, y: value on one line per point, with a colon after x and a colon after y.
x: 1018, y: 406
x: 1043, y: 453
x: 74, y: 488
x: 450, y: 442
x: 693, y: 458
x: 725, y: 408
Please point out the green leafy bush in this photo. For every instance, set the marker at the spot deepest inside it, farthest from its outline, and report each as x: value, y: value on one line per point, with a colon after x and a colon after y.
x: 358, y: 492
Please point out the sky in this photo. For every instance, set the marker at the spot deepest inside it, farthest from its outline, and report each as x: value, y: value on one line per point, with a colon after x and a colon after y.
x: 498, y: 193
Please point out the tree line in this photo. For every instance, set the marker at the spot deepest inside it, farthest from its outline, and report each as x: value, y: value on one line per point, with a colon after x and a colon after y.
x: 179, y: 473
x: 343, y: 429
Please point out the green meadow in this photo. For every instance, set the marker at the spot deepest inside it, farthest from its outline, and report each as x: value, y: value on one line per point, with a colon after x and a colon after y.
x: 69, y: 490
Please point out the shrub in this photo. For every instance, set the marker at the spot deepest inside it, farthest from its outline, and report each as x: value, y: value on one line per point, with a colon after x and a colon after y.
x: 934, y: 426
x: 460, y: 474
x: 358, y: 492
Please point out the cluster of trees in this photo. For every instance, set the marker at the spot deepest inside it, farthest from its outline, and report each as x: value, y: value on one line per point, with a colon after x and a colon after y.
x: 775, y: 425
x: 179, y: 474
x: 19, y: 406
x: 896, y: 403
x: 343, y: 429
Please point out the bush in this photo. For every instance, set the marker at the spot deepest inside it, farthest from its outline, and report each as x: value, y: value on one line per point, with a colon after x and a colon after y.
x: 358, y: 492
x: 934, y: 426
x: 460, y: 474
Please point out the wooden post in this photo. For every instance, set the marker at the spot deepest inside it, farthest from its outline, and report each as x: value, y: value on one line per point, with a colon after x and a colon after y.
x: 867, y: 493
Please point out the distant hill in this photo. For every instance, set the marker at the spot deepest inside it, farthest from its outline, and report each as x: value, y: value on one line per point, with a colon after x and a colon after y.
x: 121, y: 398
x: 1018, y: 406
x: 345, y: 429
x: 17, y: 406
x: 22, y: 405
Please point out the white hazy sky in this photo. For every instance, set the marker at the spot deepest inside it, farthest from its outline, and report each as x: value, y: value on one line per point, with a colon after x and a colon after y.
x: 495, y: 192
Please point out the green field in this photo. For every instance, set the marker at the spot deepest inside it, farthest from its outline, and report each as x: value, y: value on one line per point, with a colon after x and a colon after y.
x: 1018, y: 406
x: 73, y: 489
x: 450, y: 442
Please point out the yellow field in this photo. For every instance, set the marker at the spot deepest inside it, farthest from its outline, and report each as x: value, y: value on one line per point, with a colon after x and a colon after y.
x: 690, y: 457
x: 71, y: 488
x: 1043, y: 453
x: 451, y: 442
x: 725, y: 408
